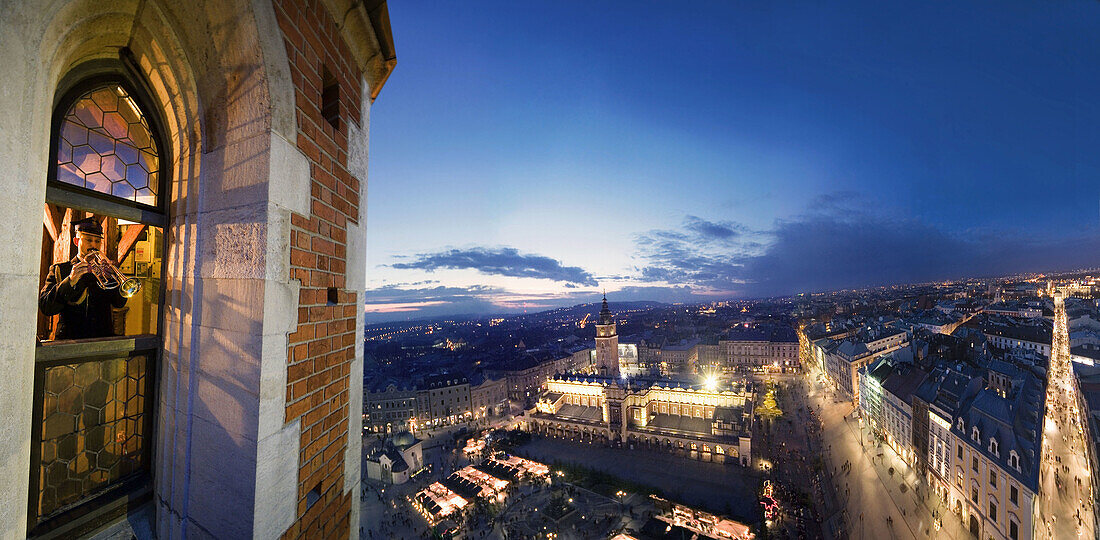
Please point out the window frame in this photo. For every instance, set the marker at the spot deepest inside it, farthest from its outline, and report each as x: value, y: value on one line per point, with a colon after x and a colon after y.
x: 135, y: 488
x: 79, y: 195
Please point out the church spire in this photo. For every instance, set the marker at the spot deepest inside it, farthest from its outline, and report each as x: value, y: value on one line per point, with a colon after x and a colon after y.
x: 605, y: 313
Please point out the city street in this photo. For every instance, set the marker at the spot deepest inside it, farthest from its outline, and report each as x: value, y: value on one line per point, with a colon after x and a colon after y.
x: 878, y: 504
x: 1065, y: 507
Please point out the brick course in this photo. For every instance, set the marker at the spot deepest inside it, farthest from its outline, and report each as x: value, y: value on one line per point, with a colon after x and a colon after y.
x: 321, y: 349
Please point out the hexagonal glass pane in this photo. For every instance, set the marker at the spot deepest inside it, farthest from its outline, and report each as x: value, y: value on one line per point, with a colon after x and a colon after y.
x: 64, y: 152
x: 139, y: 136
x: 101, y: 142
x: 137, y: 176
x: 115, y: 125
x: 74, y: 133
x: 87, y: 113
x: 146, y: 196
x: 69, y: 174
x: 127, y: 153
x: 85, y: 450
x: 86, y: 159
x: 148, y: 161
x: 98, y: 182
x: 129, y: 110
x: 122, y: 189
x: 106, y: 98
x: 107, y: 121
x: 113, y: 168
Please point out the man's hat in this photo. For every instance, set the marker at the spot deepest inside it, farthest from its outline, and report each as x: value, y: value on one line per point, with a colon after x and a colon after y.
x: 88, y: 226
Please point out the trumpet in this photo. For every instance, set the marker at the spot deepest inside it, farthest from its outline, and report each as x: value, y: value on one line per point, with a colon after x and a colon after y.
x: 109, y: 276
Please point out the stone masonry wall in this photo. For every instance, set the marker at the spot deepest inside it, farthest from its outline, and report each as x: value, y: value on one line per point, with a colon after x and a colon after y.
x: 321, y: 351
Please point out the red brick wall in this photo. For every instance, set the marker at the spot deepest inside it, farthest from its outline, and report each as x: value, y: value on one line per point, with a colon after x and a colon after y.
x: 321, y: 350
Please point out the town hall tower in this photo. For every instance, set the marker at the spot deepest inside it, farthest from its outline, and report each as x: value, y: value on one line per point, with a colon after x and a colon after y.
x: 607, y: 344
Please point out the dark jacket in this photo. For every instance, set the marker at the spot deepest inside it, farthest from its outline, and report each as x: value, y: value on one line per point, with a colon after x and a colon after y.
x: 85, y: 308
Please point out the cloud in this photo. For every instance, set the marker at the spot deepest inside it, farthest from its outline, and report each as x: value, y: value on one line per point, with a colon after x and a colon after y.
x: 830, y: 252
x: 395, y: 302
x: 389, y: 294
x: 500, y: 261
x: 842, y: 242
x: 670, y: 295
x: 711, y: 230
x: 701, y: 253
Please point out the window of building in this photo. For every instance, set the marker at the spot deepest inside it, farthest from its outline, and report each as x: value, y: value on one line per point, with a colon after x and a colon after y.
x: 1014, y: 494
x: 99, y: 326
x: 992, y: 477
x: 960, y: 451
x: 993, y: 510
x: 974, y: 464
x: 974, y: 495
x: 1013, y: 530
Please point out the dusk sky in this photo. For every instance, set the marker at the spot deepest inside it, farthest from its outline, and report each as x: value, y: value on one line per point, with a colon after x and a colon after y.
x: 528, y: 155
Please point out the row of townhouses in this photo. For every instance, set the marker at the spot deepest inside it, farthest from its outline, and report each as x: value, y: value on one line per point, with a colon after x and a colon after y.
x: 763, y: 348
x: 966, y: 410
x: 390, y: 405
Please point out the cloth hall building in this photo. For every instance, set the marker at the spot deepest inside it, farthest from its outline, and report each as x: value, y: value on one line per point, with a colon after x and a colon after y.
x: 704, y: 421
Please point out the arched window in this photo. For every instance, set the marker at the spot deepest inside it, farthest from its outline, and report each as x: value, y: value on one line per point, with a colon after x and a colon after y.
x: 99, y: 331
x: 106, y: 145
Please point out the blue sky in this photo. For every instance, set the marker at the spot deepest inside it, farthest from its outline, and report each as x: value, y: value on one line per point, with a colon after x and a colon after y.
x: 526, y: 155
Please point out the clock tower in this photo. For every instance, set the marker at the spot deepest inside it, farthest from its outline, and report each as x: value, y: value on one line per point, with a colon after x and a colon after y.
x: 607, y: 344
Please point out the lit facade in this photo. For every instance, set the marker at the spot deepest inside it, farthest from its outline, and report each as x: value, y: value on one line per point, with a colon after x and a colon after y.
x: 607, y: 344
x: 443, y: 400
x: 885, y: 403
x: 763, y: 349
x: 983, y: 455
x: 710, y: 425
x: 389, y: 409
x: 843, y: 360
x: 705, y: 423
x: 489, y: 398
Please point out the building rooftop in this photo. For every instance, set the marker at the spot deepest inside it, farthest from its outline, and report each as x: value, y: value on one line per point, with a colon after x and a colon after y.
x: 769, y: 333
x: 581, y: 412
x: 903, y: 381
x: 1032, y: 330
x: 1014, y: 421
x: 681, y: 424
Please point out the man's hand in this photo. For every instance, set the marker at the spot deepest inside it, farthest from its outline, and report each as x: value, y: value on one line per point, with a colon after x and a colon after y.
x: 79, y: 270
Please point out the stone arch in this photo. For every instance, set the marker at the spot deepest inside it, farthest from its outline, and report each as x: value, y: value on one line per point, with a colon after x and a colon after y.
x: 219, y: 79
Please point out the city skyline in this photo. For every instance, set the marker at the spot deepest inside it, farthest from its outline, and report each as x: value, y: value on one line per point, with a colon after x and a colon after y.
x: 727, y: 152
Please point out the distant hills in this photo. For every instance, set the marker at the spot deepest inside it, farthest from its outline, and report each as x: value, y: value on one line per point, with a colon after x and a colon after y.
x: 577, y: 311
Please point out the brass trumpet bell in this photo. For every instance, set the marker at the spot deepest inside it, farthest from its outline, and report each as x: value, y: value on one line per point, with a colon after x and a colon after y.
x: 109, y: 276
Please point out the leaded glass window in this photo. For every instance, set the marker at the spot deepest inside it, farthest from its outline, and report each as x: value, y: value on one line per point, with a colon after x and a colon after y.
x: 105, y: 144
x: 93, y: 395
